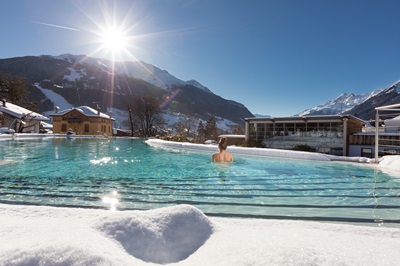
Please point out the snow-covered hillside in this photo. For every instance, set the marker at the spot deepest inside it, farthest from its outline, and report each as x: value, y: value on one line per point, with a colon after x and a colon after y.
x: 121, y: 116
x: 137, y: 69
x: 56, y: 98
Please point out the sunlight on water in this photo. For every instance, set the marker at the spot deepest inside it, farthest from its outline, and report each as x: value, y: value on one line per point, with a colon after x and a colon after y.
x: 128, y: 174
x: 101, y: 161
x: 111, y: 200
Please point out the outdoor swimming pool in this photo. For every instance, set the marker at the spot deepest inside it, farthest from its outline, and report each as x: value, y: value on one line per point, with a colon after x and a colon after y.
x: 129, y: 174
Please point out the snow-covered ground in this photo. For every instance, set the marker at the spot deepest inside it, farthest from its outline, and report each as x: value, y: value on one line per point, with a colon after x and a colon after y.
x: 56, y: 98
x: 183, y: 235
x: 390, y: 164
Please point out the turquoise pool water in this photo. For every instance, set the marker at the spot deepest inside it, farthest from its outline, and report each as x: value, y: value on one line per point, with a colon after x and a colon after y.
x: 128, y: 174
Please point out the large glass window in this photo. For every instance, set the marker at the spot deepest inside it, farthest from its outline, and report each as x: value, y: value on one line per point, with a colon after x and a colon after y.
x: 312, y: 129
x: 290, y: 129
x: 269, y: 130
x: 324, y: 126
x: 279, y: 129
x: 260, y: 131
x: 323, y: 137
x: 300, y: 129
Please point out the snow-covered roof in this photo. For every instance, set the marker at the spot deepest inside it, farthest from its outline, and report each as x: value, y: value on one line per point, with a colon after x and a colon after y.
x: 231, y: 136
x: 46, y: 125
x: 20, y: 112
x: 85, y: 110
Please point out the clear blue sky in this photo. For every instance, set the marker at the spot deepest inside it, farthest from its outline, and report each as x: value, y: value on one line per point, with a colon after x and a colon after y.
x: 277, y: 57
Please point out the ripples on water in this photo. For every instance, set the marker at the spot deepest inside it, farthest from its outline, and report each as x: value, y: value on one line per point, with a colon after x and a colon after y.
x: 128, y: 174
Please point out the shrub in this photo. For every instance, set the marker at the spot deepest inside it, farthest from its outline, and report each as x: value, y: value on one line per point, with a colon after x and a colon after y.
x: 303, y: 147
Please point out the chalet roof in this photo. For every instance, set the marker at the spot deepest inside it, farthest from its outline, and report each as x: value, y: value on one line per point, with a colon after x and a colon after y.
x: 20, y: 112
x: 85, y: 110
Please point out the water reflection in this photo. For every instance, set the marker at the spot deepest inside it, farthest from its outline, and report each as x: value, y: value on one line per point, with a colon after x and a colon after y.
x: 111, y: 200
x: 101, y: 161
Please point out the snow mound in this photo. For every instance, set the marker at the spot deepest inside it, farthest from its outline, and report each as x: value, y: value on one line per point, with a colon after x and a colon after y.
x: 164, y: 236
x: 36, y: 235
x: 390, y: 164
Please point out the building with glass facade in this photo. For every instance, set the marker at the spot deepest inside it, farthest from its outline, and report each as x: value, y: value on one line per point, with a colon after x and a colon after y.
x: 325, y: 134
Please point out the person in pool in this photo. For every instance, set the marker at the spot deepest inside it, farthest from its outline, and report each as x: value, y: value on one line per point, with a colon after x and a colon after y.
x: 223, y: 155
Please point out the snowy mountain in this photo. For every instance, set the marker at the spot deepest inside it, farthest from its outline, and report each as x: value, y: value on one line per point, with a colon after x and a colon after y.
x: 388, y: 96
x: 339, y: 105
x: 362, y: 106
x: 260, y: 115
x: 76, y: 80
x: 136, y: 69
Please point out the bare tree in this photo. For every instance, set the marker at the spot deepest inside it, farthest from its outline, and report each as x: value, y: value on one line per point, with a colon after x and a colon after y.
x: 237, y: 129
x: 146, y: 115
x: 185, y: 127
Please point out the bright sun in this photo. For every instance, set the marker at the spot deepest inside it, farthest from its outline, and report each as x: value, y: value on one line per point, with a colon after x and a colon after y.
x: 114, y: 40
x: 114, y: 35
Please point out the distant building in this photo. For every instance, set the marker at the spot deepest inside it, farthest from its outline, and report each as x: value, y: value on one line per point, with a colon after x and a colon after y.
x: 325, y: 134
x: 385, y: 140
x: 83, y: 120
x: 20, y: 119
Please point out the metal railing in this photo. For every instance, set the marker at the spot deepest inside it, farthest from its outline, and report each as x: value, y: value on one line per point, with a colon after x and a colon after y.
x: 385, y: 138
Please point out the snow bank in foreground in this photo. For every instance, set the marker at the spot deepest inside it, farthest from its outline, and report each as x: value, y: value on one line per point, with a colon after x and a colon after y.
x: 62, y: 236
x: 183, y: 235
x: 390, y: 164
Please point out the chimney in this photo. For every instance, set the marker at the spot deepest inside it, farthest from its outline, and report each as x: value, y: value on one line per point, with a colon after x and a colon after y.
x: 98, y: 110
x: 4, y: 102
x: 110, y: 114
x: 57, y: 109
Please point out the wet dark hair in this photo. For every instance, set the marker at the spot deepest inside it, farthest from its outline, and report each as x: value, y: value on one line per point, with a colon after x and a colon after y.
x: 222, y: 144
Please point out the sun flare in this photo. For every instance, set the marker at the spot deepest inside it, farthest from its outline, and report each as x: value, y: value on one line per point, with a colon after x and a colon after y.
x: 114, y: 40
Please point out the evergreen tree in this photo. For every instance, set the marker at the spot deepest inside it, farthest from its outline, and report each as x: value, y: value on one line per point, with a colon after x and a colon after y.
x: 211, y: 130
x: 200, y: 132
x: 12, y: 88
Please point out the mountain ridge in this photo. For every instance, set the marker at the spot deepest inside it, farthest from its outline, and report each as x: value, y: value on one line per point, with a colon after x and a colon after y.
x: 341, y: 104
x: 81, y: 80
x: 137, y: 69
x: 361, y: 105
